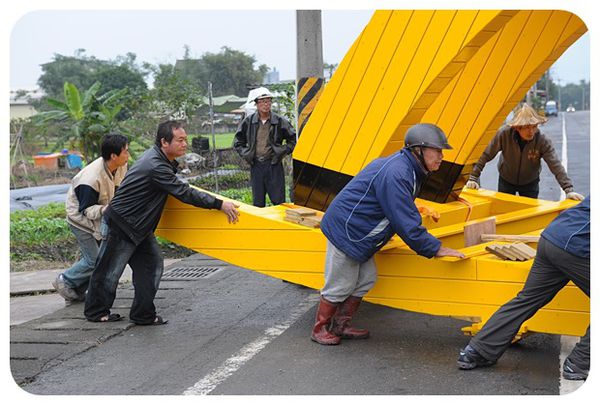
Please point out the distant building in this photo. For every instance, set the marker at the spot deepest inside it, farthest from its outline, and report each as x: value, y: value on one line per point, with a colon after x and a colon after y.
x: 271, y: 77
x: 20, y: 103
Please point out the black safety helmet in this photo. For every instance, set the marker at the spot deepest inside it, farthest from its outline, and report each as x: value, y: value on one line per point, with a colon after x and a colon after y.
x: 426, y: 135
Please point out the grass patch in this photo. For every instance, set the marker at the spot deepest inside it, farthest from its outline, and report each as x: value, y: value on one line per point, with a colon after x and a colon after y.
x: 43, y: 235
x: 222, y: 141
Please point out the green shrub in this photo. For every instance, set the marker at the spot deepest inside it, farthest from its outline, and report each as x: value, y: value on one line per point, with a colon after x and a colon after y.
x: 42, y: 234
x: 240, y: 194
x: 226, y: 181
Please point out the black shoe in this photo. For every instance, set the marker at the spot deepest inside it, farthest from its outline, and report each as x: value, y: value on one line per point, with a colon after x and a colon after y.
x: 468, y: 359
x: 572, y: 372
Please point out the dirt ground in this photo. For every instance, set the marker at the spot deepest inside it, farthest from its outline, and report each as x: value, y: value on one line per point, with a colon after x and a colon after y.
x: 25, y: 175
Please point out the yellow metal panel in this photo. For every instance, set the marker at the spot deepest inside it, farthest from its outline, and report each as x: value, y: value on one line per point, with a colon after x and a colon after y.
x: 322, y: 129
x: 408, y: 52
x: 544, y: 321
x: 385, y: 72
x: 540, y: 42
x: 414, y: 92
x: 469, y: 291
x: 404, y: 74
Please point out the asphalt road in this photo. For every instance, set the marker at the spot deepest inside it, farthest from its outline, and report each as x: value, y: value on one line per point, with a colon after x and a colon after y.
x: 240, y: 332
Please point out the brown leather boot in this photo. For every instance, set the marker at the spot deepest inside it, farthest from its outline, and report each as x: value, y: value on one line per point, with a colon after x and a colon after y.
x: 341, y: 321
x: 320, y: 332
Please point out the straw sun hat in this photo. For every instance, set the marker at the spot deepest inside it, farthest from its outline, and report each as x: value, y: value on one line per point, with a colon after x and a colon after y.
x: 526, y: 116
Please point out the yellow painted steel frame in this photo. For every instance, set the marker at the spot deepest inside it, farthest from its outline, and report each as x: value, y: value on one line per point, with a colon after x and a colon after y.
x: 462, y: 70
x: 470, y: 289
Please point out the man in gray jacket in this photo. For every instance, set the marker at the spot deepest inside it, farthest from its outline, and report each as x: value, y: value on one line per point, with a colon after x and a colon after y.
x: 90, y: 192
x: 522, y: 146
x: 132, y: 217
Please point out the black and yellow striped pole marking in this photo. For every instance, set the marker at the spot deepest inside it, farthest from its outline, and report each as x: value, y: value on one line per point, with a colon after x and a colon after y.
x: 309, y: 91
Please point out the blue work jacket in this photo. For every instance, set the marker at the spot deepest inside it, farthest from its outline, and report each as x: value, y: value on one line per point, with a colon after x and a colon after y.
x: 377, y: 203
x: 570, y: 231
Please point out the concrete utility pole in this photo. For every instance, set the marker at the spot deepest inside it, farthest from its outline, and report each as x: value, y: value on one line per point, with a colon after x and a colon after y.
x: 309, y: 63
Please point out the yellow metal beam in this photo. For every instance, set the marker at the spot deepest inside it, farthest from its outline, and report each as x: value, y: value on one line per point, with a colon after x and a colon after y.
x: 466, y: 289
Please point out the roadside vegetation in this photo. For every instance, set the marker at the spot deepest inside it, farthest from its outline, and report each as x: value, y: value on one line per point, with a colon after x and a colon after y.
x: 85, y: 98
x: 42, y: 238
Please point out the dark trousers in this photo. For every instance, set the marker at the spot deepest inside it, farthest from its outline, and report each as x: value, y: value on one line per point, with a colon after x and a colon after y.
x: 526, y: 190
x: 551, y: 271
x: 146, y: 263
x: 267, y: 179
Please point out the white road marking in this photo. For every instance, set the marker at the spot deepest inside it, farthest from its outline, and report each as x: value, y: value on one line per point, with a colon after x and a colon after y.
x: 235, y: 362
x: 563, y: 158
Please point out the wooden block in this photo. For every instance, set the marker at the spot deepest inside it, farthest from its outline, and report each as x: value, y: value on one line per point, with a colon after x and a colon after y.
x: 505, y: 249
x: 474, y: 230
x: 495, y: 251
x: 301, y: 212
x: 310, y: 221
x: 516, y: 252
x: 526, y: 250
x: 487, y: 237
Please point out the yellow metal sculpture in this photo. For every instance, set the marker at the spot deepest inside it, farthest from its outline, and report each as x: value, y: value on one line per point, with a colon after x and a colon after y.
x: 462, y: 70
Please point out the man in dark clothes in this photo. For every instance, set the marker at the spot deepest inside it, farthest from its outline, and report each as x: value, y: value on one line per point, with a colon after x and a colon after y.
x: 260, y: 141
x: 563, y: 255
x: 132, y: 217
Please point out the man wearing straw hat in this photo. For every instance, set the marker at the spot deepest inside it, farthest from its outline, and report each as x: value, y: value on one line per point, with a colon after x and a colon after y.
x: 523, y: 147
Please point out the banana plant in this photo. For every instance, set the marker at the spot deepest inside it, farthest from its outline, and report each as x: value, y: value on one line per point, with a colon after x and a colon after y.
x: 87, y: 119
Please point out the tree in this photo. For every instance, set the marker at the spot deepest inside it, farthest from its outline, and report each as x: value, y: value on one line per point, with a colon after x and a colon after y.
x: 83, y: 71
x: 286, y: 100
x: 230, y: 71
x: 174, y: 95
x: 576, y: 95
x: 85, y: 119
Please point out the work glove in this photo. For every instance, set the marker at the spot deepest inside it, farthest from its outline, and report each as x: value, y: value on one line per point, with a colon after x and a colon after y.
x: 472, y: 184
x: 575, y: 196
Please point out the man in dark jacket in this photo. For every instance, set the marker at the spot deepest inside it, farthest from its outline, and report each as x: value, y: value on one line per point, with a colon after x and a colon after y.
x: 259, y: 140
x: 563, y: 255
x: 132, y: 217
x: 522, y: 146
x: 377, y: 203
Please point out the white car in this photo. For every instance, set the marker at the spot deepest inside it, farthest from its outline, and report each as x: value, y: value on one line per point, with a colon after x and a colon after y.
x: 570, y: 109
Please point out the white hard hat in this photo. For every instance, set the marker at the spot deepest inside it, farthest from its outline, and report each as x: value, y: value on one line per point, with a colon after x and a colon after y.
x: 260, y: 93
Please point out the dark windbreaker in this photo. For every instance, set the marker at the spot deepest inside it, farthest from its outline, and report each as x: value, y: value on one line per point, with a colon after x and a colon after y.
x: 139, y: 201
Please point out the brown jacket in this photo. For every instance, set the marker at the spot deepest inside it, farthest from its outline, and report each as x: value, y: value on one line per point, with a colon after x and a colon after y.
x: 97, y: 176
x: 520, y: 167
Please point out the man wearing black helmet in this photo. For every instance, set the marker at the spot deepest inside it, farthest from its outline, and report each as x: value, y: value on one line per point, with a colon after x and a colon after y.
x: 376, y: 204
x: 259, y: 140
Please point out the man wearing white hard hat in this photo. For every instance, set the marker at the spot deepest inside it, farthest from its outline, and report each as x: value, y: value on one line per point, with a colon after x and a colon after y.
x: 523, y: 147
x: 263, y: 139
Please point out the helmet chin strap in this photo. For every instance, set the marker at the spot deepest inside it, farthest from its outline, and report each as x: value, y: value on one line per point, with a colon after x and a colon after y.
x: 421, y: 159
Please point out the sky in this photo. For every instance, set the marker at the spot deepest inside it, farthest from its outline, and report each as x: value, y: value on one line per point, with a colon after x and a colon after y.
x: 160, y: 36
